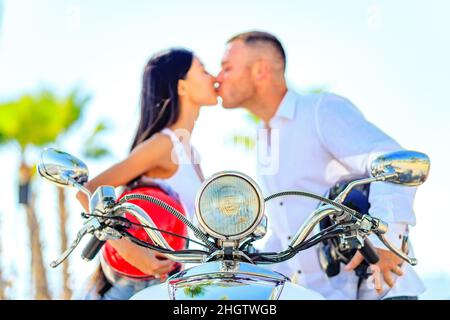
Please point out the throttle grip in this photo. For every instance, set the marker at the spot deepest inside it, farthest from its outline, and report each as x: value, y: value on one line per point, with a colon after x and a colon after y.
x: 92, y: 248
x: 369, y: 252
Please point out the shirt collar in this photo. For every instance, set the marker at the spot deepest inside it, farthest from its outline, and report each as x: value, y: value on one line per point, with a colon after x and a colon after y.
x: 286, y: 109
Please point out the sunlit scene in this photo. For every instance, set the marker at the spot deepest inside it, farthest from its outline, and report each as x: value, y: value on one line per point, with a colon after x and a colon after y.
x: 138, y: 103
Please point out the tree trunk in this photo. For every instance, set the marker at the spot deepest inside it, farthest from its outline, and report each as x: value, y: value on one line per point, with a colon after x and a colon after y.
x: 63, y: 217
x: 2, y: 282
x: 38, y: 270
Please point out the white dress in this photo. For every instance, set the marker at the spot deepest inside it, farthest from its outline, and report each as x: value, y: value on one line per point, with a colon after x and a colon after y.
x: 186, y: 181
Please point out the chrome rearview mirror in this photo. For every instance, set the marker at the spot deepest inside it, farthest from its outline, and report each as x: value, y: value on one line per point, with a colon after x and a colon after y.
x: 62, y: 169
x: 408, y: 168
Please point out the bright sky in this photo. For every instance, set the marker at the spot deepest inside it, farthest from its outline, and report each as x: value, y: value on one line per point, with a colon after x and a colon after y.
x: 389, y: 58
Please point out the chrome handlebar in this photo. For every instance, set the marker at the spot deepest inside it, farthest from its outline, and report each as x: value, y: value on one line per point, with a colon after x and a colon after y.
x: 308, y: 226
x: 400, y: 167
x: 93, y: 224
x: 380, y: 228
x: 156, y: 236
x: 90, y: 226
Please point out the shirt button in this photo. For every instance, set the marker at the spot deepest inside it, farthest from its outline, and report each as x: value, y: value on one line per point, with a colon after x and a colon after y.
x: 299, y: 271
x: 281, y: 203
x: 289, y: 238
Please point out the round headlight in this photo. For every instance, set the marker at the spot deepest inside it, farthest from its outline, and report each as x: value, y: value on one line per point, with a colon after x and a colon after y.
x: 229, y: 205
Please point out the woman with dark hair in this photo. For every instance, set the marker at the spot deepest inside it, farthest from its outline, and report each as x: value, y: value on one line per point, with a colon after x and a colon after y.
x: 174, y: 87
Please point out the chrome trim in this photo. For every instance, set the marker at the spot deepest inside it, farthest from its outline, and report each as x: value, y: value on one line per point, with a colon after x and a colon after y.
x: 313, y: 219
x: 226, y: 287
x: 155, y: 235
x: 261, y: 229
x: 229, y: 267
x: 82, y: 189
x: 89, y: 226
x: 61, y: 168
x: 236, y: 254
x: 258, y: 219
x: 399, y: 253
x: 343, y: 195
x: 226, y: 280
x: 412, y: 168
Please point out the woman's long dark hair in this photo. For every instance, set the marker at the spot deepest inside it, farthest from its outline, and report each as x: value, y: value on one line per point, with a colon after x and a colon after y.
x: 159, y: 96
x: 159, y: 109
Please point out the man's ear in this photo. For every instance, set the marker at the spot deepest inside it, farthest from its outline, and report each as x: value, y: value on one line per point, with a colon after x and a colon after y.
x: 260, y: 69
x: 182, y: 87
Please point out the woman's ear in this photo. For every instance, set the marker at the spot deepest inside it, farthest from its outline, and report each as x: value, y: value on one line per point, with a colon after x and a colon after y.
x: 182, y: 87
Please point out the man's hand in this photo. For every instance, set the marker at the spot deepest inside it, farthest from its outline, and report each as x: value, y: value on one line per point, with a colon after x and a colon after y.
x: 389, y: 263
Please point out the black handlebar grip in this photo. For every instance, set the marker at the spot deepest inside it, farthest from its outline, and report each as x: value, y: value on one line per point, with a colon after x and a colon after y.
x: 92, y: 248
x: 369, y: 252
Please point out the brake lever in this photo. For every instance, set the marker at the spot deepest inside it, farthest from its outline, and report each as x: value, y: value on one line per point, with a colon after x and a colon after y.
x: 380, y: 228
x: 396, y: 251
x: 88, y: 227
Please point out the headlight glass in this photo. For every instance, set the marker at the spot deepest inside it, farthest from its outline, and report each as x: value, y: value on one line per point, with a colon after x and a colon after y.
x: 229, y: 205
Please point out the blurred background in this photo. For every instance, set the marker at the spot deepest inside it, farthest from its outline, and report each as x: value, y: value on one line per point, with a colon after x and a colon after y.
x: 70, y: 74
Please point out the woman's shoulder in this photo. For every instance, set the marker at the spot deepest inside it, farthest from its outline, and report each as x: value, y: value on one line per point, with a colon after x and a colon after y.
x: 157, y: 150
x: 156, y: 153
x: 158, y: 141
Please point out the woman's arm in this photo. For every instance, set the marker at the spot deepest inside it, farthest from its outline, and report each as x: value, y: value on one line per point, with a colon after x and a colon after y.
x: 146, y: 156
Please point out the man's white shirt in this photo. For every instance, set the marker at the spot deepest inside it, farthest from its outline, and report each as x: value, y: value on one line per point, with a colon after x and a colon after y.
x: 313, y: 142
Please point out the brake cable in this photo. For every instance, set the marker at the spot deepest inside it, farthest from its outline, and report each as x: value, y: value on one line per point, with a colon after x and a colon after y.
x: 123, y: 219
x: 289, y: 253
x: 292, y: 251
x: 159, y: 248
x: 173, y: 211
x: 314, y: 196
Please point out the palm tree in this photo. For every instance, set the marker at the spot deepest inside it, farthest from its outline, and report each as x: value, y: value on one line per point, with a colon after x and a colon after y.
x: 35, y: 121
x: 3, y: 283
x: 91, y: 149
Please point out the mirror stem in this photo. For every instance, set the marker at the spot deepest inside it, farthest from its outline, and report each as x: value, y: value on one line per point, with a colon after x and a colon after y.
x: 343, y: 195
x: 82, y: 189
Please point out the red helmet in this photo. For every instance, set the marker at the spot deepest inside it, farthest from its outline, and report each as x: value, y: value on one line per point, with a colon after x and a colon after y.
x: 163, y: 220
